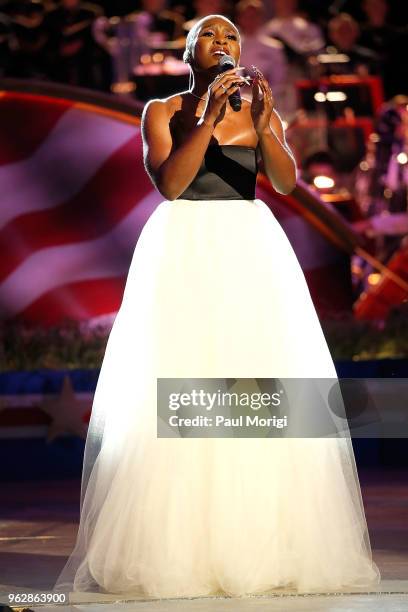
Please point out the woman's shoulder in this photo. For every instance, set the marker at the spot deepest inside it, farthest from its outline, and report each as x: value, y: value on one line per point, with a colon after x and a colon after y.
x: 162, y: 106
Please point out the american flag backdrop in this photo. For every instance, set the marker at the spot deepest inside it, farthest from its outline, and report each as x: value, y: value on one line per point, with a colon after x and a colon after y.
x: 74, y: 197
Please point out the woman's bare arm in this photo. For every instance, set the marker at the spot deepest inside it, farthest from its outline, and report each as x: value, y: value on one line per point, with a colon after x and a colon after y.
x: 278, y: 161
x: 171, y: 172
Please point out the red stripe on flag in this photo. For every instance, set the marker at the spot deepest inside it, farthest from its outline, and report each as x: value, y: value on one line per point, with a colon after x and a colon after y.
x: 9, y: 417
x: 104, y: 201
x: 24, y: 417
x: 25, y: 122
x: 80, y: 301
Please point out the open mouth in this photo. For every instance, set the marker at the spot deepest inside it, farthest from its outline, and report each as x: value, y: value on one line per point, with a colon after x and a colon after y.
x: 218, y: 53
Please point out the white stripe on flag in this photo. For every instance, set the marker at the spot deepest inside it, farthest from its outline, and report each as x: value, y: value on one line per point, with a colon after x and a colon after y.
x: 52, y: 267
x: 65, y: 161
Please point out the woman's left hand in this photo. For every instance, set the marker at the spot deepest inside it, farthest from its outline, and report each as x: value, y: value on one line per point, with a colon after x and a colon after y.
x: 261, y: 107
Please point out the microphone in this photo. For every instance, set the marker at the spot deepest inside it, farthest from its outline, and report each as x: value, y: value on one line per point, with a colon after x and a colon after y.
x: 227, y: 62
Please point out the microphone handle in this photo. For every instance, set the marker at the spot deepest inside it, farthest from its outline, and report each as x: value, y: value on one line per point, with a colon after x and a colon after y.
x: 235, y: 98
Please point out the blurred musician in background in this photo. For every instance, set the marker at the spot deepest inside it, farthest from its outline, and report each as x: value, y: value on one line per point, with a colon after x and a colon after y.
x: 381, y: 183
x: 27, y: 38
x: 389, y: 42
x: 70, y: 46
x: 265, y: 52
x: 125, y: 39
x: 162, y: 21
x: 344, y: 34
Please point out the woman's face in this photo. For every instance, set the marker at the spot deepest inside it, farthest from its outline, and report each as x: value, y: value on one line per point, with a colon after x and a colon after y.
x: 215, y: 35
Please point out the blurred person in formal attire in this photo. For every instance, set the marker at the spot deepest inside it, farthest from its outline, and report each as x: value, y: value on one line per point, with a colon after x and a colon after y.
x: 154, y: 20
x: 344, y: 35
x: 381, y: 184
x: 6, y: 45
x: 162, y: 20
x: 29, y: 38
x: 125, y: 39
x: 293, y: 27
x: 263, y: 51
x: 70, y: 45
x: 301, y: 40
x: 382, y: 177
x: 389, y: 41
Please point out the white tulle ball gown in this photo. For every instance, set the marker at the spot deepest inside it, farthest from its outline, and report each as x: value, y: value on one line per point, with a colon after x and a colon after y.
x: 214, y: 290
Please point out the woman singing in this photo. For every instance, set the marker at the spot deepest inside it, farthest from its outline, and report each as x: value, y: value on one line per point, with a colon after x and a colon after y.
x: 214, y: 291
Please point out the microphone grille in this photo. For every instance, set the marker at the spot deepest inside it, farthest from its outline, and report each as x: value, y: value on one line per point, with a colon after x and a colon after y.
x: 227, y: 60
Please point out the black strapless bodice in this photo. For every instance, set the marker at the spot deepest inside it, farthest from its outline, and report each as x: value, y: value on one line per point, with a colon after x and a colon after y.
x: 227, y: 172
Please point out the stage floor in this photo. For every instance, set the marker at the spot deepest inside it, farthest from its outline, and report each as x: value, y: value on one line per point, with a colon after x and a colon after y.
x: 38, y: 528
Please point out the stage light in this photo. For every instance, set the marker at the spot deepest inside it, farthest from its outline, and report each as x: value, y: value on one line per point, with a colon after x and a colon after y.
x: 336, y: 96
x: 123, y: 87
x: 157, y: 57
x: 333, y: 58
x: 402, y: 158
x: 373, y: 278
x: 320, y: 97
x: 323, y: 182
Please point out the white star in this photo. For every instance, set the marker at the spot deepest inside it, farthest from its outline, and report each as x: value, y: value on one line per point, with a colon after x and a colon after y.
x: 66, y: 411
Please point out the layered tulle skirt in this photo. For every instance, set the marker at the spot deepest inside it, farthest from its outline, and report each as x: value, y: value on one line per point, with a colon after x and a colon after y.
x: 214, y: 290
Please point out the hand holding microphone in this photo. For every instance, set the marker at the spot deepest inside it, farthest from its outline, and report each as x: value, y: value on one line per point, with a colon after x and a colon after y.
x: 224, y: 87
